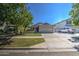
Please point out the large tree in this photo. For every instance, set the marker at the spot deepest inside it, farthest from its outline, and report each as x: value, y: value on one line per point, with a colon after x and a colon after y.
x: 16, y: 14
x: 75, y: 14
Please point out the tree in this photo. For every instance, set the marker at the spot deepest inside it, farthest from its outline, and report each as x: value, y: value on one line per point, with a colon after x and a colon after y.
x: 16, y: 14
x: 75, y: 14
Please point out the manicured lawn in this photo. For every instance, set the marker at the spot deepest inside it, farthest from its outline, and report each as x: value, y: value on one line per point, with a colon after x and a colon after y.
x: 24, y: 42
x: 32, y: 34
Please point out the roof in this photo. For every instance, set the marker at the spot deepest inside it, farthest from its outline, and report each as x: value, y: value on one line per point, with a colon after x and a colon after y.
x: 62, y: 21
x: 36, y: 25
x: 42, y: 24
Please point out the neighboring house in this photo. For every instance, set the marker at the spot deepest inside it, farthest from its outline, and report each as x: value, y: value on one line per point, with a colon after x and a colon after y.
x: 63, y: 24
x: 8, y: 28
x: 43, y: 27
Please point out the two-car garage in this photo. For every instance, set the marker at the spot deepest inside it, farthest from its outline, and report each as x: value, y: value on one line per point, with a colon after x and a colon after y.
x: 44, y: 28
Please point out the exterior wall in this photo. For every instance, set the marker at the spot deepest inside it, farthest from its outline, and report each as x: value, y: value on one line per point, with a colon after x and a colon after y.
x: 63, y: 24
x: 59, y: 26
x: 45, y: 28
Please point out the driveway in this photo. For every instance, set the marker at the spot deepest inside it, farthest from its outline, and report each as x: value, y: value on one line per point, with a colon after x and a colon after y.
x: 58, y: 42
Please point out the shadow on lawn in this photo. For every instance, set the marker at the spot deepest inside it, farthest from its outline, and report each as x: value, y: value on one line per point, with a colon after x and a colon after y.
x: 5, y: 40
x: 23, y: 48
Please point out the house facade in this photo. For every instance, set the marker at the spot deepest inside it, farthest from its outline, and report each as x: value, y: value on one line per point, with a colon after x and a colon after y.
x: 43, y: 27
x: 62, y: 24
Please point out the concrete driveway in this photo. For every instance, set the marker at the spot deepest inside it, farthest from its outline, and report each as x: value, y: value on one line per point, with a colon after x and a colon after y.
x: 58, y: 42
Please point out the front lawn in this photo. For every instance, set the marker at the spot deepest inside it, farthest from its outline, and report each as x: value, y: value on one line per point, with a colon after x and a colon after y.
x: 32, y: 34
x: 23, y: 42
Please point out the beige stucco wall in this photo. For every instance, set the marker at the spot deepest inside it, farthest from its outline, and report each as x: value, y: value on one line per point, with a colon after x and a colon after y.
x: 45, y: 28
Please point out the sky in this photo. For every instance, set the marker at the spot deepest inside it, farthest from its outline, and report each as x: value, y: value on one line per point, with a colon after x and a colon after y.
x: 49, y: 12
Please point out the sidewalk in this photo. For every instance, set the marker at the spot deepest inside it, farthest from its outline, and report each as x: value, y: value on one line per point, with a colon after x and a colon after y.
x: 22, y: 37
x: 27, y: 37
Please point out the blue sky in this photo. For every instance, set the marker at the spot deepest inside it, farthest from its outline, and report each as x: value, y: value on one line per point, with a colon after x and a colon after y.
x: 49, y: 12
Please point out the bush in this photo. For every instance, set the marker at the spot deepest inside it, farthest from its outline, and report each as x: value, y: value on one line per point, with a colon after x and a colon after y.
x: 1, y: 32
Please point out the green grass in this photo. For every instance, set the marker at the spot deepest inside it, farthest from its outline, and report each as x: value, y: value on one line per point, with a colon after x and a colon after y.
x: 33, y: 34
x: 24, y: 42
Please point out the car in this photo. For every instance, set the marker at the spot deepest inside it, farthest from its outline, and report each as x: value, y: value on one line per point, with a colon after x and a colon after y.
x: 71, y: 30
x: 72, y: 40
x: 77, y: 30
x: 66, y: 30
x: 75, y: 38
x: 63, y: 30
x: 76, y: 35
x: 76, y: 46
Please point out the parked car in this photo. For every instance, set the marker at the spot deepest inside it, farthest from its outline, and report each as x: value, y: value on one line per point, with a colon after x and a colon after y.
x: 63, y: 30
x: 71, y: 30
x: 76, y: 35
x: 76, y: 30
x: 75, y: 38
x: 76, y: 46
x: 72, y: 40
x: 67, y: 30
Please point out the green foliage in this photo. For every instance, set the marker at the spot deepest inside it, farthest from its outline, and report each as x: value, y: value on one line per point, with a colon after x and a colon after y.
x: 75, y: 14
x: 16, y: 14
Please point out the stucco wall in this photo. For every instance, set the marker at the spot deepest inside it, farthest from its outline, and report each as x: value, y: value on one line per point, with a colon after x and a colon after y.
x: 45, y: 28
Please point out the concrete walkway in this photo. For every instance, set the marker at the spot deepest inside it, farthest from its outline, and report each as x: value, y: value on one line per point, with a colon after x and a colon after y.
x: 22, y: 37
x: 27, y: 53
x: 27, y: 37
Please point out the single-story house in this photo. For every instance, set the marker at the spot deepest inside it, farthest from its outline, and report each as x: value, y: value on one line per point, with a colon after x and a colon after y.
x: 43, y: 27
